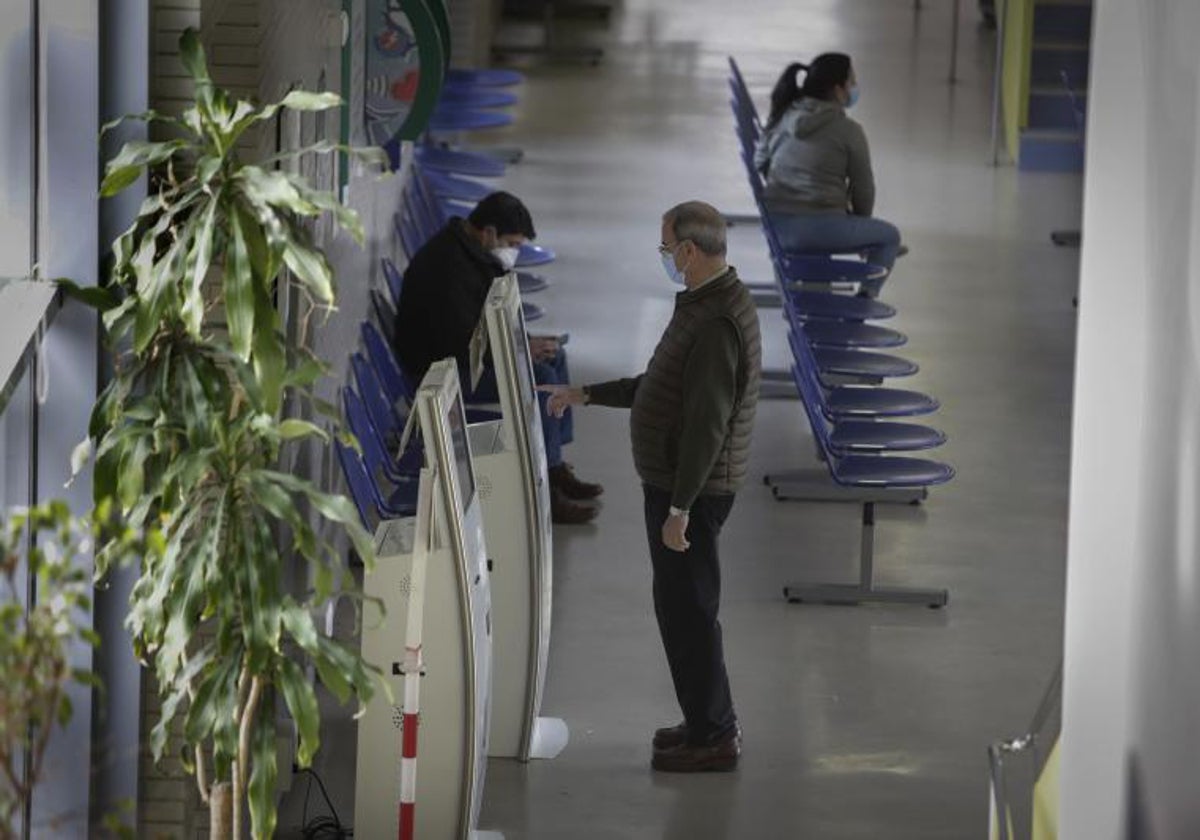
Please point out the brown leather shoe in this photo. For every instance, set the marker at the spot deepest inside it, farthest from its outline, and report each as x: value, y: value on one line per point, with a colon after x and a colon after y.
x: 719, y: 757
x: 563, y: 511
x: 670, y: 737
x: 563, y: 478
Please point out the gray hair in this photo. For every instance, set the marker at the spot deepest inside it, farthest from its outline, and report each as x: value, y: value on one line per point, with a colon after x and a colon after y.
x: 699, y: 223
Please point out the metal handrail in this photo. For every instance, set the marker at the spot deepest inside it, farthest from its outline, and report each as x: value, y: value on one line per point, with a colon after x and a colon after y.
x: 998, y: 78
x: 1029, y: 742
x: 34, y: 331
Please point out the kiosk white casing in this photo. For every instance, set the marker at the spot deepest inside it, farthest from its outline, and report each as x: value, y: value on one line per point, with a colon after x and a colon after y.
x: 510, y: 462
x: 456, y: 640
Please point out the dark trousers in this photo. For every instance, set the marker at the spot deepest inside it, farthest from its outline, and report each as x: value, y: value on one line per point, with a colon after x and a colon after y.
x: 687, y: 596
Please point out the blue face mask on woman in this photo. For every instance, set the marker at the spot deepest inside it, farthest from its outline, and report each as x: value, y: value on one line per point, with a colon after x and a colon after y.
x: 852, y: 96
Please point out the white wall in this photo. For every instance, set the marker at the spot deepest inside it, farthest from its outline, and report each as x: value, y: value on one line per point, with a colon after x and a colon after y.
x: 1131, y: 721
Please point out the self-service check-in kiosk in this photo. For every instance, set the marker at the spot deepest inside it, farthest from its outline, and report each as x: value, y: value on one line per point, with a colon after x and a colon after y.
x: 510, y: 464
x: 435, y: 562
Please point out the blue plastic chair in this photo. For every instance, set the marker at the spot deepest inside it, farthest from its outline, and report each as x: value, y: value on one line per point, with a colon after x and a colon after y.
x: 823, y: 268
x: 406, y: 232
x: 468, y: 97
x: 828, y: 306
x: 396, y: 385
x: 530, y: 283
x: 862, y: 364
x: 447, y: 118
x: 394, y: 279
x: 849, y: 436
x: 387, y: 419
x: 449, y: 185
x: 374, y: 454
x: 844, y: 334
x: 459, y: 161
x: 372, y: 507
x: 385, y: 315
x: 852, y: 334
x: 861, y: 401
x: 483, y: 77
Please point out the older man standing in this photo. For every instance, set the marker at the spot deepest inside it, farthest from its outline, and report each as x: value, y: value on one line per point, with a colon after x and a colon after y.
x: 692, y: 413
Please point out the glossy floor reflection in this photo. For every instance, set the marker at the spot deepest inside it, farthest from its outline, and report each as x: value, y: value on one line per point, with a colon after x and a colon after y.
x: 859, y: 723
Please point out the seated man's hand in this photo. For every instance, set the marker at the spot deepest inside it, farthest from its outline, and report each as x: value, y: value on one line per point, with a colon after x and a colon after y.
x: 543, y: 349
x: 562, y: 397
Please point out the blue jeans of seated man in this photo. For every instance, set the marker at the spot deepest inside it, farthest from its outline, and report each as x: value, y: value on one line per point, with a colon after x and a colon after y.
x: 556, y: 431
x: 841, y: 233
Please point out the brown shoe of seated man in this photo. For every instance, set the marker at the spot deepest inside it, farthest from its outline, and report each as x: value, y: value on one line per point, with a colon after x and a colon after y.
x: 564, y: 511
x: 718, y: 757
x: 669, y: 737
x: 563, y: 478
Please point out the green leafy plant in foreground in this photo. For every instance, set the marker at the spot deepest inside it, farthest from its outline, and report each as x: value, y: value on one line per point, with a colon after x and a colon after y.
x: 188, y: 435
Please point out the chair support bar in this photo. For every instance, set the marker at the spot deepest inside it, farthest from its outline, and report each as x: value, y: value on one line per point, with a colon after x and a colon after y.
x: 732, y: 219
x: 813, y: 485
x: 864, y: 591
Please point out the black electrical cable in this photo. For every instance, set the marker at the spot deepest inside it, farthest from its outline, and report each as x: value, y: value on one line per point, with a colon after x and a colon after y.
x: 322, y: 827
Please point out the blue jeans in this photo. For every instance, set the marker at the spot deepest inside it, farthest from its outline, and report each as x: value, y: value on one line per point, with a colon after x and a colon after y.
x: 557, y: 432
x: 841, y: 233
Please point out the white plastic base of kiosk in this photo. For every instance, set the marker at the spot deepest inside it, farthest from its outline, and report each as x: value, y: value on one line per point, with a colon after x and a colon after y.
x: 520, y: 604
x: 550, y: 737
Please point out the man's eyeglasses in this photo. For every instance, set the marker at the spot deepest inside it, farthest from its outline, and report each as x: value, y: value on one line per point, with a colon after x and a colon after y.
x: 665, y: 249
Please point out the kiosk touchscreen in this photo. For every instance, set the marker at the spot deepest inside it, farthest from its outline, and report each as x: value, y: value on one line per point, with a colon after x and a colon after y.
x: 445, y: 576
x: 510, y: 461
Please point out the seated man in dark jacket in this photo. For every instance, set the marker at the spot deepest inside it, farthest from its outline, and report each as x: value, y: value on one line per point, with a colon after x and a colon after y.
x: 445, y: 287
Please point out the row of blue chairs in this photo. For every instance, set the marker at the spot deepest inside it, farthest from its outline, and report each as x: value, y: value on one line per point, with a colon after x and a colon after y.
x: 376, y: 409
x: 857, y: 424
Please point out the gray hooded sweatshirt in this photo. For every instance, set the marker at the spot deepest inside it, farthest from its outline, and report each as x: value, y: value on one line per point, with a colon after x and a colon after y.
x: 815, y: 160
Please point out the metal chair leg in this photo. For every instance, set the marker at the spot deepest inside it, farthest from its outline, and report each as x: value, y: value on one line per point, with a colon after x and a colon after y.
x: 864, y: 591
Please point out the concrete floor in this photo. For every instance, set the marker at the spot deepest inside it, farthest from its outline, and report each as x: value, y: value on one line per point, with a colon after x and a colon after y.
x: 858, y: 722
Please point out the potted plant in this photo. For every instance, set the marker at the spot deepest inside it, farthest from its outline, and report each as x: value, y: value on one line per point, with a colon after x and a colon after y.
x: 188, y: 434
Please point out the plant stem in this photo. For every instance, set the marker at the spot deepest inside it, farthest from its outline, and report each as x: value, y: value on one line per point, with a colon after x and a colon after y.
x: 242, y: 766
x: 201, y: 774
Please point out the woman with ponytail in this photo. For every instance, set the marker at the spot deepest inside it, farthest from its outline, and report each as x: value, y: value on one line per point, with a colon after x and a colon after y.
x: 820, y: 190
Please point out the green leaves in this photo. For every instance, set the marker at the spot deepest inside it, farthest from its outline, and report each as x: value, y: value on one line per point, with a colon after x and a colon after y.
x: 264, y: 772
x: 239, y: 291
x: 303, y: 100
x: 187, y: 436
x: 135, y: 157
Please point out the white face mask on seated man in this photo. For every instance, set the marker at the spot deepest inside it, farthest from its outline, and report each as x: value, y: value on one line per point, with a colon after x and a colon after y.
x: 507, y: 256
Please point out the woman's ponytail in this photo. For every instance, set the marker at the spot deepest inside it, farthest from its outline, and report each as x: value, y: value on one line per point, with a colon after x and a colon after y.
x: 786, y: 91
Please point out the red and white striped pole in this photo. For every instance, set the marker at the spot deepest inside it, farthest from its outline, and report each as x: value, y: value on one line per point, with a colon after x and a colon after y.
x: 408, y: 742
x: 414, y: 662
